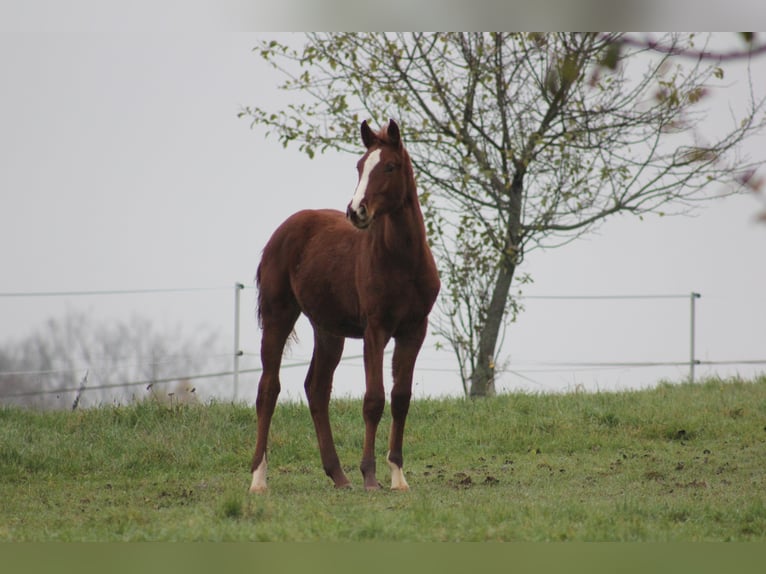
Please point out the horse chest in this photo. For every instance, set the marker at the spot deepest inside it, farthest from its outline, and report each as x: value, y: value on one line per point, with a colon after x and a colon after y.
x: 393, y: 297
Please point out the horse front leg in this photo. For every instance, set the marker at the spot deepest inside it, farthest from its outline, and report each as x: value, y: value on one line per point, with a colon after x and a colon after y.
x: 405, y: 353
x: 374, y: 401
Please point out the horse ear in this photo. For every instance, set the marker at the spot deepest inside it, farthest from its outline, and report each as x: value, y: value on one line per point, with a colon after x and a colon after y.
x: 368, y: 137
x: 393, y: 133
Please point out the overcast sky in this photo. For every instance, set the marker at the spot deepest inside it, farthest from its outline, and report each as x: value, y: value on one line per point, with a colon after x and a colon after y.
x: 123, y: 165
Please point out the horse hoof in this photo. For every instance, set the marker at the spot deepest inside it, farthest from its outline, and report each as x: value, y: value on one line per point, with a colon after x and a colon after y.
x: 398, y: 482
x: 257, y: 489
x: 259, y: 478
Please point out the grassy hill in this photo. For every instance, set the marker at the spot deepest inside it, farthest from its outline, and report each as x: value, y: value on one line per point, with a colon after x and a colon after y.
x: 678, y: 462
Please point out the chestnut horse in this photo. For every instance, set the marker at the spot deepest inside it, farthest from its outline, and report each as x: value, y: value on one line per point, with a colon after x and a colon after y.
x: 366, y: 274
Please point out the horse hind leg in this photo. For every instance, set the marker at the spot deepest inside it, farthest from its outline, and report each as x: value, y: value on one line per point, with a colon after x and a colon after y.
x: 328, y: 350
x: 278, y: 322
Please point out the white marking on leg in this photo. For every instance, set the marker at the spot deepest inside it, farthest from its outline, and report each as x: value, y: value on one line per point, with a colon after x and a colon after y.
x: 398, y: 481
x: 361, y: 188
x: 259, y: 478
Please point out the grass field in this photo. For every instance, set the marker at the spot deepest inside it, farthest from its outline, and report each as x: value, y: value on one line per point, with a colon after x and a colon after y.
x: 679, y: 462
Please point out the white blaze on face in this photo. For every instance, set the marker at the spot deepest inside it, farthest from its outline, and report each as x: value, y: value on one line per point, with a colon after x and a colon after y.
x: 361, y: 188
x: 259, y: 478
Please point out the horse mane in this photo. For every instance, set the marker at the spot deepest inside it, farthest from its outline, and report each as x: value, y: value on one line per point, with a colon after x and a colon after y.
x: 382, y: 135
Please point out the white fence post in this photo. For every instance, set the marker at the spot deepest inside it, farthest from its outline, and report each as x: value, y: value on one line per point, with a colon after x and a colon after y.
x: 237, y: 351
x: 692, y: 359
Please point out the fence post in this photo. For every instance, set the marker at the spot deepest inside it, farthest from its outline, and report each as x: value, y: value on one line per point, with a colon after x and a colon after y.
x: 237, y: 351
x: 692, y: 359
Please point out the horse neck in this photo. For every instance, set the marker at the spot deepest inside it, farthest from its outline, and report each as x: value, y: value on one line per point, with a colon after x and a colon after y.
x: 403, y: 232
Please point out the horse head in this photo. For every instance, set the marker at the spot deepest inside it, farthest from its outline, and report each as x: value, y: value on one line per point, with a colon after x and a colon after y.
x: 383, y: 174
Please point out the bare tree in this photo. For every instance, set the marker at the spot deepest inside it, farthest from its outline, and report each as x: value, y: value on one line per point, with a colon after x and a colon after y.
x: 48, y: 368
x: 520, y: 141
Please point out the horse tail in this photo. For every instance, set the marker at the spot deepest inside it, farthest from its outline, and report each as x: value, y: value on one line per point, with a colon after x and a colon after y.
x: 293, y: 338
x: 259, y: 306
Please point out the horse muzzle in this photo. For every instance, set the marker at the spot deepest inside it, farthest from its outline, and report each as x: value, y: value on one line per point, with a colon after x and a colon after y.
x: 360, y: 218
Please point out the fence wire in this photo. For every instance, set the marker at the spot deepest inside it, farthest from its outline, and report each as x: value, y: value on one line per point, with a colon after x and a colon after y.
x: 518, y: 368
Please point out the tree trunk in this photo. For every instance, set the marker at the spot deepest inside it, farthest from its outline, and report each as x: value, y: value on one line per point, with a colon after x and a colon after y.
x: 483, y: 377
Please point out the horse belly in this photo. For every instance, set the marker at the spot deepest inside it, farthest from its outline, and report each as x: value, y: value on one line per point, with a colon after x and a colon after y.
x: 328, y: 299
x: 330, y: 317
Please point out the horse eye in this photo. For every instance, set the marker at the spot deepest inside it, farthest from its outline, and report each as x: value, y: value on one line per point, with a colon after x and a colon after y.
x: 389, y: 168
